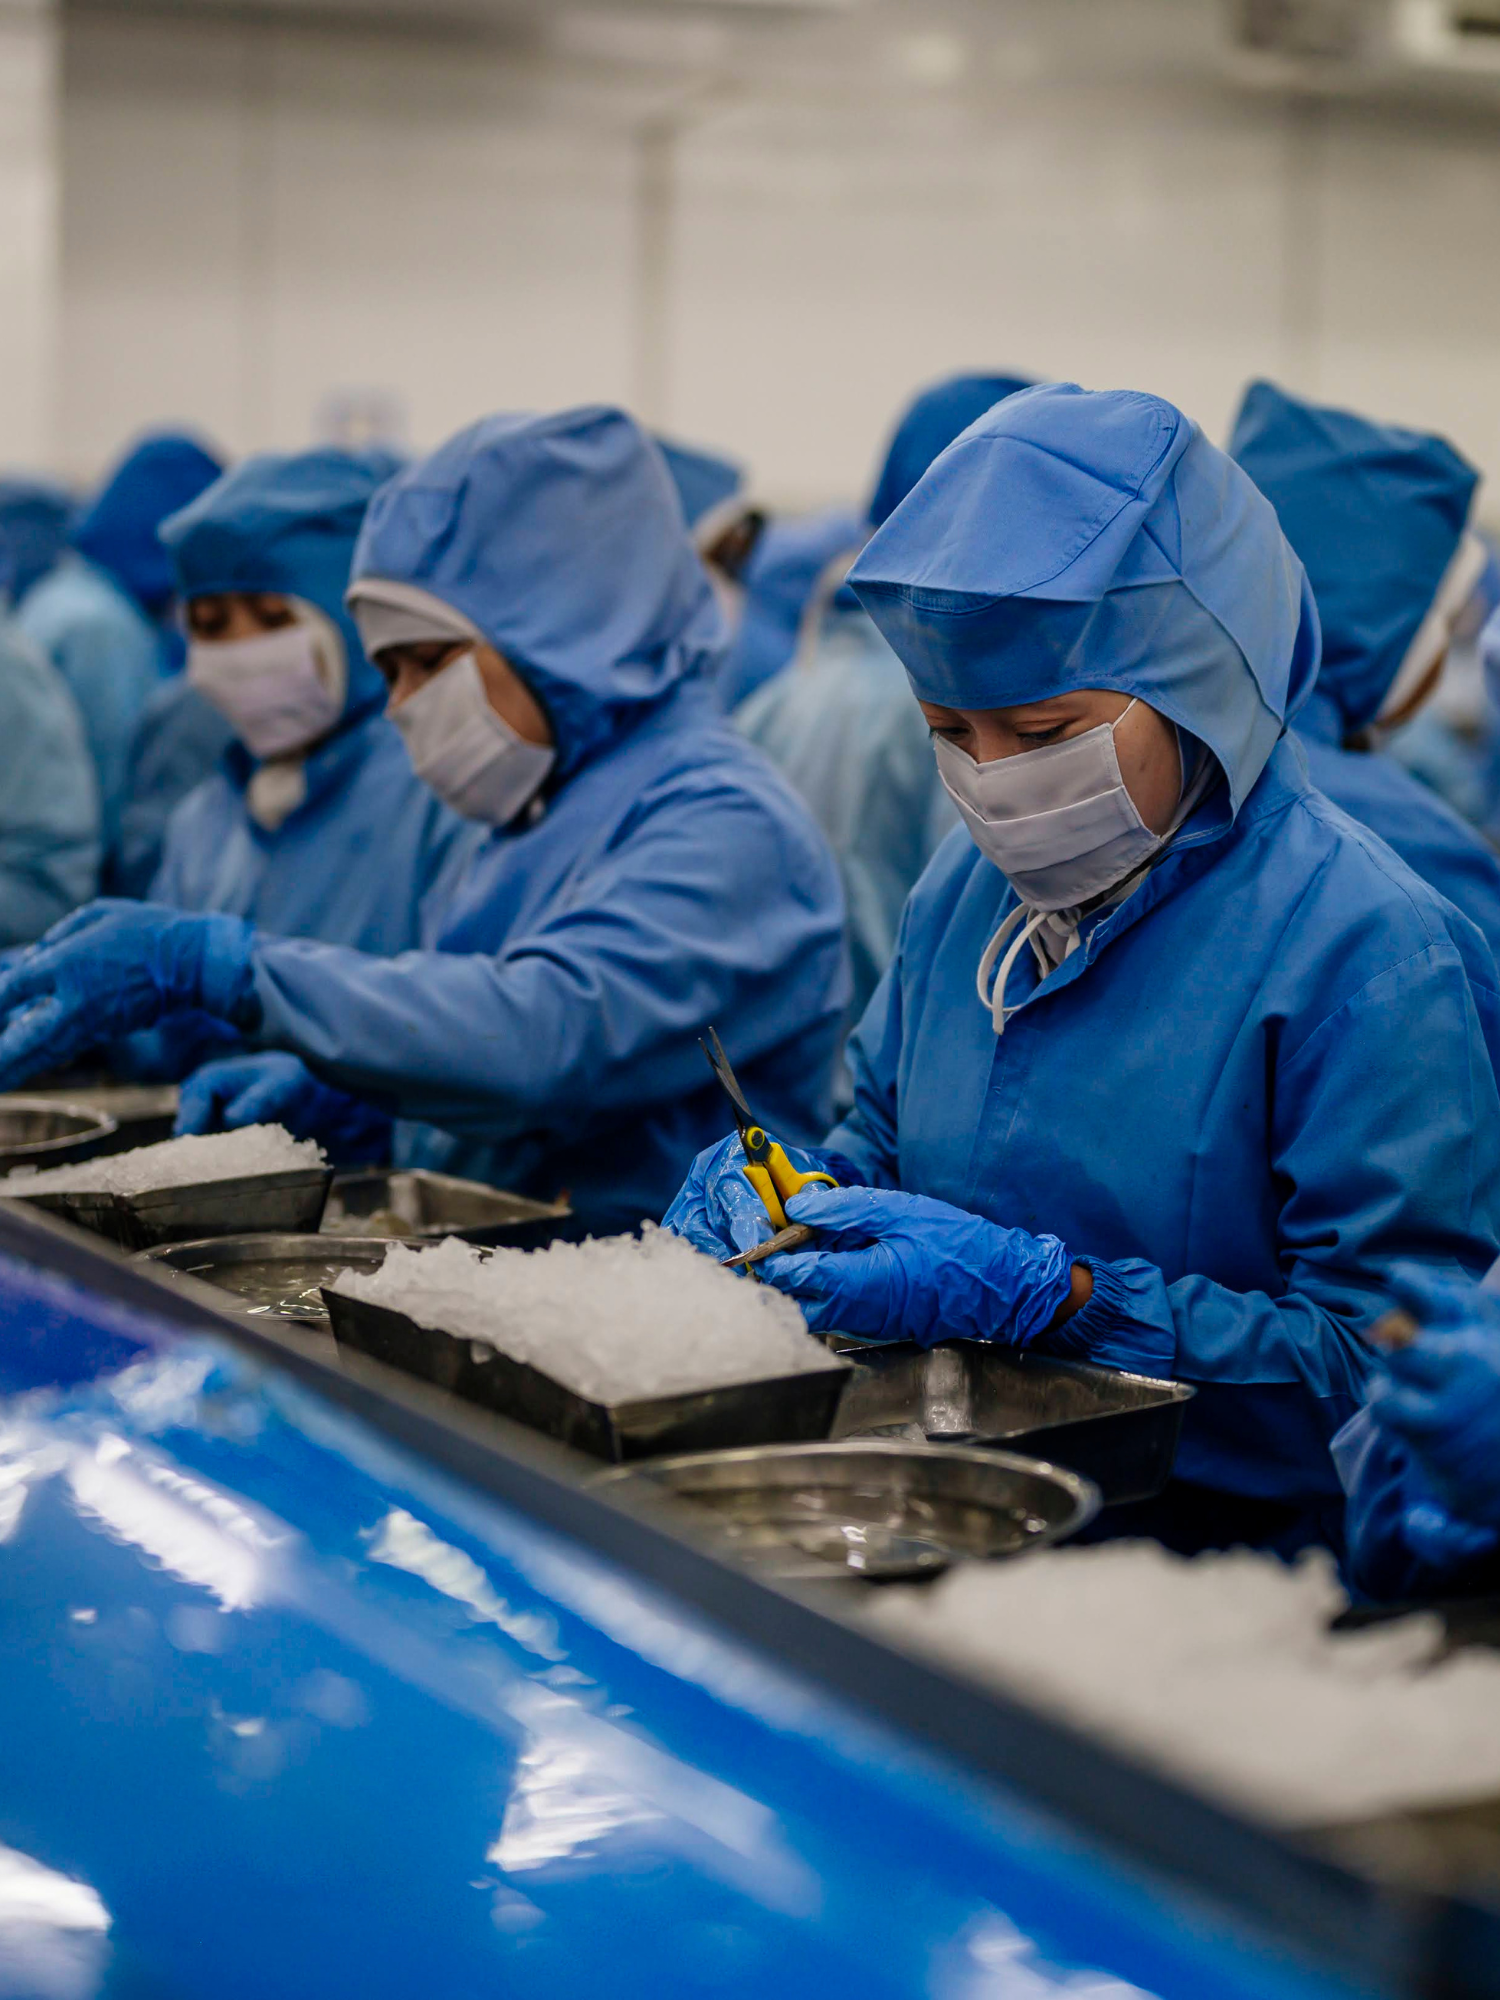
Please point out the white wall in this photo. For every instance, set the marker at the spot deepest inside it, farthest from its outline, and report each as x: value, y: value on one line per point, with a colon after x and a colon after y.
x: 28, y: 229
x: 255, y: 214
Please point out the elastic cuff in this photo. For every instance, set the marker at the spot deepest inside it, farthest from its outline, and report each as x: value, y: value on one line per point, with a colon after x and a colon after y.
x: 1111, y: 1329
x: 228, y: 973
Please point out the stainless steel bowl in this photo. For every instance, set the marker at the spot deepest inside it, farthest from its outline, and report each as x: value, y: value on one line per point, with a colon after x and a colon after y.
x: 871, y: 1508
x: 271, y: 1275
x: 44, y: 1132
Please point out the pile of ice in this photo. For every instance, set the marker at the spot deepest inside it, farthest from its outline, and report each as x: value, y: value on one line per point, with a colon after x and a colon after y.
x: 215, y: 1156
x: 1221, y: 1670
x: 612, y: 1319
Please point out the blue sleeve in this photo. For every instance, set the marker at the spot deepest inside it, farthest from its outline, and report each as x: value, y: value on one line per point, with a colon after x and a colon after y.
x: 1386, y: 1130
x: 49, y: 803
x: 704, y: 913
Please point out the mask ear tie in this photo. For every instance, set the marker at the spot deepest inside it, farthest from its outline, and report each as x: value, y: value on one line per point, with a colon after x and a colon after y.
x: 994, y: 1003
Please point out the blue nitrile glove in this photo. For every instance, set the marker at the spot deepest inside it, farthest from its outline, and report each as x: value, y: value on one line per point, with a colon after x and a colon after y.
x: 279, y: 1089
x: 1441, y: 1397
x: 719, y: 1212
x: 903, y: 1267
x: 112, y: 968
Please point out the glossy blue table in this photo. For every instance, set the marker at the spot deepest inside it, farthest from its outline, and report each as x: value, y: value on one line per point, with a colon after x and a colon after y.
x: 312, y: 1686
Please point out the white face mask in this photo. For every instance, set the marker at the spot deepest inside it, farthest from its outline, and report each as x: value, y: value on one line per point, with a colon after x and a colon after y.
x: 471, y: 758
x: 1058, y: 822
x: 280, y: 690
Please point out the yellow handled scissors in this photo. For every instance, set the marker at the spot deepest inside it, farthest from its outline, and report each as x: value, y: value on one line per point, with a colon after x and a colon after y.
x: 767, y: 1167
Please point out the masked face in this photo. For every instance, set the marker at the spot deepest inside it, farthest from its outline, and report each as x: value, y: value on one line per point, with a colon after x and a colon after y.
x: 470, y: 756
x: 1059, y: 821
x: 280, y: 690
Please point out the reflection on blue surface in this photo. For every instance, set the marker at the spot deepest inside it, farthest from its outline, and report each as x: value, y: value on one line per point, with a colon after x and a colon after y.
x: 284, y: 1712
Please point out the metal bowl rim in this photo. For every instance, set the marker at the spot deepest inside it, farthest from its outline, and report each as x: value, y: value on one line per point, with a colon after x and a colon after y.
x: 168, y: 1253
x: 97, y: 1124
x: 1085, y: 1493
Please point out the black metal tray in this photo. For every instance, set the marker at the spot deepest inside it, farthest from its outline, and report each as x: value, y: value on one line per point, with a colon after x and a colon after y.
x: 288, y: 1202
x: 1120, y: 1431
x: 388, y: 1204
x: 783, y: 1410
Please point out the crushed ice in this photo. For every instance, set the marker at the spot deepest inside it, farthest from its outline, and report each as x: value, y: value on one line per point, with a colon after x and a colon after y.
x: 612, y: 1319
x: 213, y: 1156
x: 1221, y: 1670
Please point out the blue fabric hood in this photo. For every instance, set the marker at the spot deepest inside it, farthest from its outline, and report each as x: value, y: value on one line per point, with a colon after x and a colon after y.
x: 286, y: 523
x: 703, y: 479
x: 561, y: 538
x: 1074, y: 538
x: 34, y: 517
x: 930, y: 424
x: 1375, y: 513
x: 120, y: 529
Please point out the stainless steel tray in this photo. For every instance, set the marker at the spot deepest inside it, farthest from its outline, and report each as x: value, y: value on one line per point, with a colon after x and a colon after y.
x: 389, y: 1203
x: 291, y: 1201
x: 785, y: 1407
x: 50, y: 1132
x: 876, y: 1509
x: 1120, y: 1431
x: 271, y: 1276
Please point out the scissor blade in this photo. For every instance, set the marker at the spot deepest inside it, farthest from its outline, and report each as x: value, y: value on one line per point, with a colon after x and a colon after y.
x: 719, y: 1063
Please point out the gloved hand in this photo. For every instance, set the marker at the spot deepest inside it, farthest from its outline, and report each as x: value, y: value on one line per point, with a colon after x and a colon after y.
x: 903, y: 1267
x: 279, y: 1089
x: 719, y: 1212
x: 112, y: 968
x: 1441, y: 1397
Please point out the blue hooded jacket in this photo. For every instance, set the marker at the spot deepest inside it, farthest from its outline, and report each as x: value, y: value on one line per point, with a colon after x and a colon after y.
x: 355, y: 861
x: 780, y: 577
x: 49, y: 800
x: 703, y: 480
x: 95, y: 613
x: 34, y: 518
x: 1267, y: 1073
x: 842, y: 726
x: 1376, y: 514
x: 120, y: 530
x: 668, y: 882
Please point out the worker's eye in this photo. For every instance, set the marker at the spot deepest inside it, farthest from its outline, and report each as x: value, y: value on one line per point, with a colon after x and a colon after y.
x: 272, y: 614
x: 1032, y: 739
x: 950, y: 732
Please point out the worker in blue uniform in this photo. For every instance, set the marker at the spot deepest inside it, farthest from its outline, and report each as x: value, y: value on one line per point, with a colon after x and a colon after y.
x: 790, y: 556
x: 1174, y: 1060
x: 548, y: 634
x: 1421, y: 1461
x: 179, y: 739
x: 34, y: 519
x: 49, y: 798
x: 841, y: 725
x: 1379, y: 516
x: 314, y: 824
x: 98, y: 613
x: 706, y: 482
